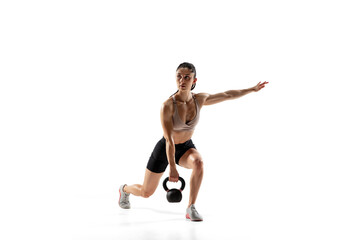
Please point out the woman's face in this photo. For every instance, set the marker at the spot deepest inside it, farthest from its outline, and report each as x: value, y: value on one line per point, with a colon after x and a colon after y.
x: 185, y: 79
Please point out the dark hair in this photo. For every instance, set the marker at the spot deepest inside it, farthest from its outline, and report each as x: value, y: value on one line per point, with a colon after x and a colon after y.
x: 188, y: 66
x: 191, y: 67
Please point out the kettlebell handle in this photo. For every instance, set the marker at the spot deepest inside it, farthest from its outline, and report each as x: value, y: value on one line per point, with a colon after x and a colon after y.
x: 181, y: 180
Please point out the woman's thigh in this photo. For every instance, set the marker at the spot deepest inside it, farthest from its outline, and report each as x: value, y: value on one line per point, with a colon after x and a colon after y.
x: 151, y: 181
x: 190, y: 158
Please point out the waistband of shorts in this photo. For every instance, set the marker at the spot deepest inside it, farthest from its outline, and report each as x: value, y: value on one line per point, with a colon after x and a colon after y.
x: 179, y: 144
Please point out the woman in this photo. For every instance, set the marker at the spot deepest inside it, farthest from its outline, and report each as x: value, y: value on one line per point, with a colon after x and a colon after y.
x: 179, y: 116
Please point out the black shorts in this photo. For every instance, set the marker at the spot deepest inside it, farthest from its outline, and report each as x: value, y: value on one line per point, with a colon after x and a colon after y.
x: 158, y: 160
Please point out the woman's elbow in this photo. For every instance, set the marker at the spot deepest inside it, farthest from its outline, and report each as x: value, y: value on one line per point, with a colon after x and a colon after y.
x: 169, y: 139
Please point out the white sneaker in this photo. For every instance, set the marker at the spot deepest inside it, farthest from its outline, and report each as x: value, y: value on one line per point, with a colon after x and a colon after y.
x: 192, y: 214
x: 124, y: 198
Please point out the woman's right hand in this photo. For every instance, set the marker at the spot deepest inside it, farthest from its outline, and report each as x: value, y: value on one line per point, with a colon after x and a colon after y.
x: 174, y: 175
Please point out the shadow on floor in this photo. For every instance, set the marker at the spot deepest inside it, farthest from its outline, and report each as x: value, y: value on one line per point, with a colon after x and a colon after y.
x: 160, y: 211
x: 132, y: 223
x: 177, y: 216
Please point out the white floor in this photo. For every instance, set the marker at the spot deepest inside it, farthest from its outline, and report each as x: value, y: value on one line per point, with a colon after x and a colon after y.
x: 99, y: 217
x: 152, y: 218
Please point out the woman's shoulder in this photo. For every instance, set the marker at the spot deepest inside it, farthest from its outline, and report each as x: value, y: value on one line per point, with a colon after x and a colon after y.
x: 168, y: 103
x: 201, y: 95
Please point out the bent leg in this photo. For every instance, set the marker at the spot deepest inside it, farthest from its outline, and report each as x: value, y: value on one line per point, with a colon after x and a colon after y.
x: 151, y: 181
x: 192, y: 160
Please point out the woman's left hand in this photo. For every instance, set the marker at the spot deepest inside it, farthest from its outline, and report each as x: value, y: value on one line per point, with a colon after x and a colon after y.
x: 259, y: 86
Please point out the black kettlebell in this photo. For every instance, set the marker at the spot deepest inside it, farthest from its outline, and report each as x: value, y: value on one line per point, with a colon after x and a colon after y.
x: 174, y: 195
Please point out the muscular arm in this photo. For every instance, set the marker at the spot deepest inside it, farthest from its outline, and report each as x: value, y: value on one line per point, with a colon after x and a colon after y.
x: 167, y: 124
x: 210, y: 99
x: 228, y: 95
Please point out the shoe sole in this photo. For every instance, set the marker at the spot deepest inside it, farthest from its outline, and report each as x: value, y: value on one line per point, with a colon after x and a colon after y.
x: 194, y: 220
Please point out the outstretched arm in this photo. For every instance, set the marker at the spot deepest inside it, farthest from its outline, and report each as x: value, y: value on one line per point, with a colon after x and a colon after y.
x: 231, y: 94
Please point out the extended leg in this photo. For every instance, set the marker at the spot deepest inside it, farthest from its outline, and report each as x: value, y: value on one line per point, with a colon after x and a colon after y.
x: 151, y: 181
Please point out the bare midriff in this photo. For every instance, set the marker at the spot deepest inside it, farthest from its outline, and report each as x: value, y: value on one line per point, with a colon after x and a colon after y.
x: 181, y: 137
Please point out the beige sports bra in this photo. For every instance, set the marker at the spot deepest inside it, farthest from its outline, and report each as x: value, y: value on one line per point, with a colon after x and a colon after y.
x: 178, y: 124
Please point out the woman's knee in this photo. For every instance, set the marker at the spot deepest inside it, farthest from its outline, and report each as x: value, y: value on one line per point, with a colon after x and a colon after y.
x: 150, y: 184
x: 198, y: 163
x: 146, y: 193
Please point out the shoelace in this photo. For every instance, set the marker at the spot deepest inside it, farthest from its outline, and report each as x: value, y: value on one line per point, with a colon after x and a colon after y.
x: 194, y: 210
x: 126, y: 197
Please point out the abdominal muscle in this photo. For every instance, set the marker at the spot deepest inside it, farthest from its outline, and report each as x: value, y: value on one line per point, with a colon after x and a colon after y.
x: 181, y: 137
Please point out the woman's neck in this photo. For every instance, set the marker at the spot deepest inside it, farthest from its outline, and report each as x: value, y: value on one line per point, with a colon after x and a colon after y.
x: 184, y: 97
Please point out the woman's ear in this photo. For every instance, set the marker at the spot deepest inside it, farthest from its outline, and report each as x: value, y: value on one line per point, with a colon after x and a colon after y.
x: 195, y: 79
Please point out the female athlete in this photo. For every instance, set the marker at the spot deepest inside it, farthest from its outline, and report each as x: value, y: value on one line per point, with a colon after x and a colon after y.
x: 179, y: 115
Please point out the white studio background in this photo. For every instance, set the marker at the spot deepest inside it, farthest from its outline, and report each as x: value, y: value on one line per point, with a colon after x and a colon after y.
x: 82, y: 83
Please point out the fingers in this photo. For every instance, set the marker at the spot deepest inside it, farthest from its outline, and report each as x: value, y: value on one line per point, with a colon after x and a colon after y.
x: 263, y: 84
x: 173, y: 179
